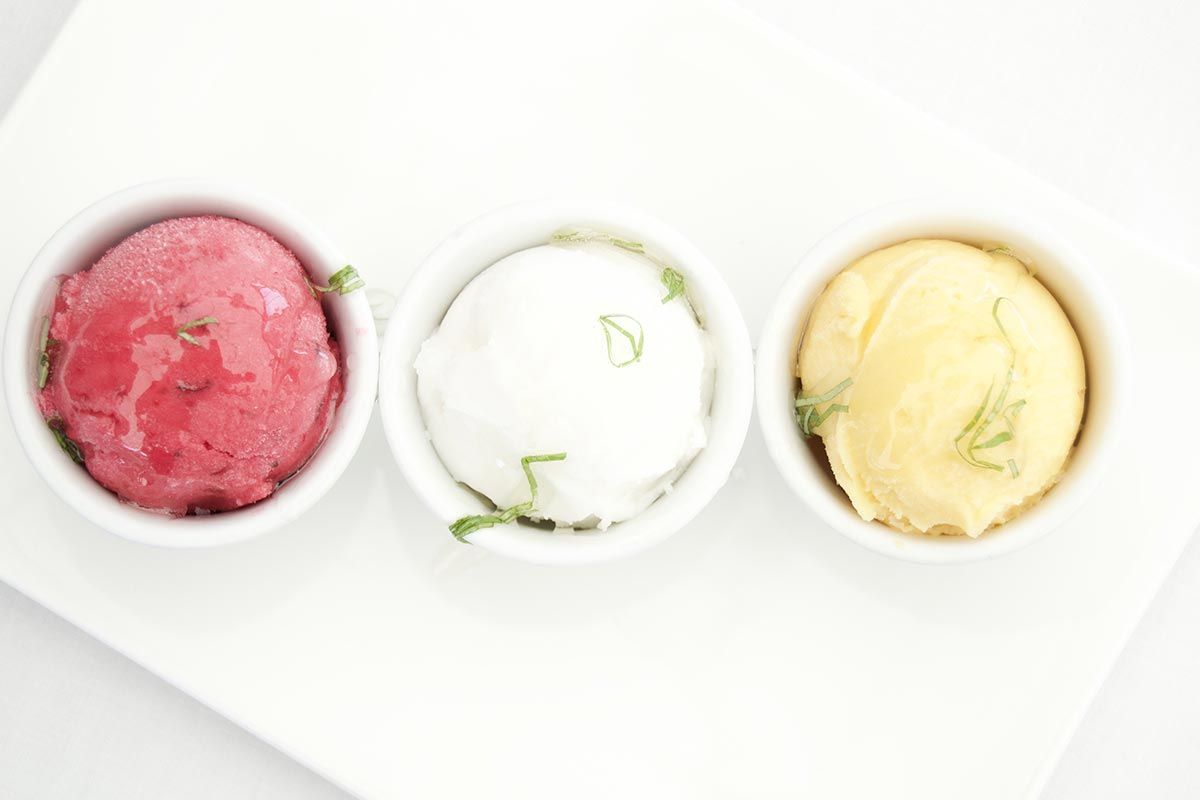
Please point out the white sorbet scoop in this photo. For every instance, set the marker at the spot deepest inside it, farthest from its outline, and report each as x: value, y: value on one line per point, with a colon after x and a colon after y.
x: 568, y: 348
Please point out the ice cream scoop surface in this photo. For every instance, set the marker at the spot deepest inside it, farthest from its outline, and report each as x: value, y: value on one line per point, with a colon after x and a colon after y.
x: 521, y: 365
x: 966, y: 385
x: 203, y: 418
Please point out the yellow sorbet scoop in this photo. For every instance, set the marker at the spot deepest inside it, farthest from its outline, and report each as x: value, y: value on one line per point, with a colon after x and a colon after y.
x: 946, y: 383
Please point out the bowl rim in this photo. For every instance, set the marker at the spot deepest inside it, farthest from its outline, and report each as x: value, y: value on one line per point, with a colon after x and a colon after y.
x: 1090, y: 307
x: 473, y: 248
x: 75, y: 246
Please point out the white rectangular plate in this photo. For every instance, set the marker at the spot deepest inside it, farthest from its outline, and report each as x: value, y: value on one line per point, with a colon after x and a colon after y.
x: 757, y: 653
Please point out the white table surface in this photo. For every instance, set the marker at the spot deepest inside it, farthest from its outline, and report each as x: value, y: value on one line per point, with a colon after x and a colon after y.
x: 1094, y: 97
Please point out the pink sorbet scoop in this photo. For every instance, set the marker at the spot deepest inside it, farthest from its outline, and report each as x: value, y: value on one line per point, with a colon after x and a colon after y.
x: 192, y: 366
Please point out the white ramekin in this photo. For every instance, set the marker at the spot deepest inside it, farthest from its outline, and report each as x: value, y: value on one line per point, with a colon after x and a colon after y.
x: 1072, y: 280
x: 85, y: 238
x: 438, y: 282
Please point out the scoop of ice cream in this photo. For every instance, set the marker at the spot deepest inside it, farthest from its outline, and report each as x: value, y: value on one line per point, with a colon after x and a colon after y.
x: 192, y: 366
x: 965, y: 386
x: 568, y: 348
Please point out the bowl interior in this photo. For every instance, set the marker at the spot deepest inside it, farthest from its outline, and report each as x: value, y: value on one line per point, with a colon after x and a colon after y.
x: 77, y: 246
x: 437, y: 283
x: 1060, y: 268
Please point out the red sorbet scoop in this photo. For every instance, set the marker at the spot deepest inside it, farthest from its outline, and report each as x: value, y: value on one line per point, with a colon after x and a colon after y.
x: 192, y: 366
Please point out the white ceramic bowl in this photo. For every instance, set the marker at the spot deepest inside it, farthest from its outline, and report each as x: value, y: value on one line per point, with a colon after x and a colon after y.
x: 1057, y: 264
x: 476, y: 247
x: 85, y: 238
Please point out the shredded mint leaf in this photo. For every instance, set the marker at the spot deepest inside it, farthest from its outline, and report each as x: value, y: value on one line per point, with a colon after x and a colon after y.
x: 465, y: 526
x: 670, y: 277
x: 674, y: 283
x: 807, y: 415
x: 609, y: 324
x: 344, y: 281
x: 979, y: 424
x: 43, y: 367
x: 579, y: 236
x: 65, y: 442
x: 812, y: 400
x: 182, y: 331
x: 997, y: 440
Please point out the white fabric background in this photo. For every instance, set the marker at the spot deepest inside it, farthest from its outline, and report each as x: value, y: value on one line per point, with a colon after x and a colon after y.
x: 1101, y: 98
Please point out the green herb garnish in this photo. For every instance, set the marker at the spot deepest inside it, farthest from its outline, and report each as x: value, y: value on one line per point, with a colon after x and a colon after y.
x: 465, y: 526
x: 1003, y: 248
x: 609, y: 324
x: 674, y: 283
x: 806, y: 407
x: 182, y: 331
x: 670, y: 277
x: 344, y: 281
x: 65, y: 442
x: 43, y: 366
x: 989, y: 412
x: 580, y: 236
